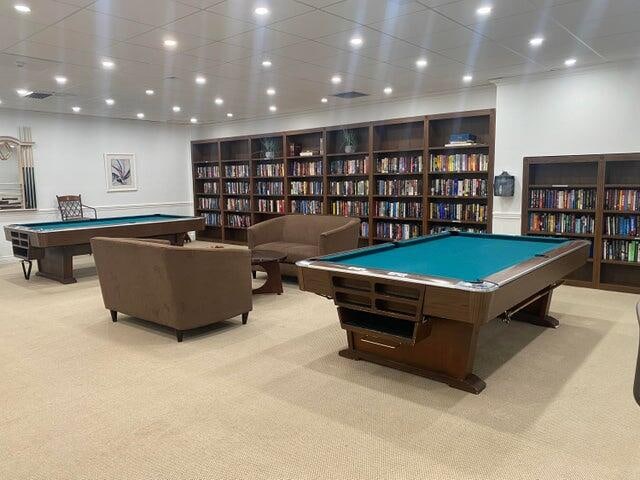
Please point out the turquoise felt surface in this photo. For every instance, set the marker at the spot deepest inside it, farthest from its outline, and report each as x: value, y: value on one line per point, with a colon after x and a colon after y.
x: 101, y: 222
x: 465, y: 256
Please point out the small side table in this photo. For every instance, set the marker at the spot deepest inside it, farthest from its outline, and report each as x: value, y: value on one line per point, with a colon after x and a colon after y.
x: 269, y: 261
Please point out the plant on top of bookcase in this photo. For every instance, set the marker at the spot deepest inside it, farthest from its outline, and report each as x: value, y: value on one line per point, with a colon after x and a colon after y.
x: 269, y: 147
x: 349, y: 140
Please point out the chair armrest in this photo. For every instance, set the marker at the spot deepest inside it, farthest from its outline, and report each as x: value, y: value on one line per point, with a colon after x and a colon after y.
x: 265, y: 232
x: 340, y: 239
x: 152, y: 240
x: 95, y: 212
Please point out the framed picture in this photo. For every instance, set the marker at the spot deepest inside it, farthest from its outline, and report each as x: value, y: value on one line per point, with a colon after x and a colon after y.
x: 120, y: 170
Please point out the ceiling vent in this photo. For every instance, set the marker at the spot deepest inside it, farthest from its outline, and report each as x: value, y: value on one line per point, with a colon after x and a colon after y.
x: 351, y: 95
x: 39, y: 95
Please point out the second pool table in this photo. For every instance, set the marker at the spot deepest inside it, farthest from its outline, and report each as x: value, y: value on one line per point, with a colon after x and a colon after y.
x: 418, y: 305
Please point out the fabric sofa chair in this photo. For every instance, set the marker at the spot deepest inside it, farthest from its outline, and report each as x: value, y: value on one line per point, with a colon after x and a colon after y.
x: 636, y: 385
x: 304, y: 236
x: 179, y: 287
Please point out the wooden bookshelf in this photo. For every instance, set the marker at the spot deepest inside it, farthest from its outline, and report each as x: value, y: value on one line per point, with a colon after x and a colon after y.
x: 601, y: 175
x: 337, y: 180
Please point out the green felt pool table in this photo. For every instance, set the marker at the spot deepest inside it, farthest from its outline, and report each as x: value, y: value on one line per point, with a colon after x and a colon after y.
x: 54, y: 244
x: 418, y: 305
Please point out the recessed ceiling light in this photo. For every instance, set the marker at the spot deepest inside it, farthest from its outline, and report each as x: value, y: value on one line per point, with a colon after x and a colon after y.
x: 356, y: 41
x: 218, y: 101
x: 336, y: 79
x: 193, y: 120
x: 421, y: 62
x: 273, y: 108
x: 0, y: 102
x: 324, y: 99
x: 271, y: 91
x: 76, y: 109
x: 229, y: 115
x: 60, y: 79
x: 23, y: 92
x: 149, y: 92
x: 140, y: 115
x: 108, y: 64
x: 570, y: 62
x: 200, y: 80
x: 22, y: 8
x: 266, y: 63
x: 388, y: 90
x: 261, y: 11
x: 170, y: 43
x: 536, y: 41
x: 484, y: 11
x: 176, y: 108
x: 467, y: 78
x: 110, y: 101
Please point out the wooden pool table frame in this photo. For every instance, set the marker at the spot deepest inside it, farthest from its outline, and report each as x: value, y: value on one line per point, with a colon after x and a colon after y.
x: 54, y: 250
x: 429, y: 326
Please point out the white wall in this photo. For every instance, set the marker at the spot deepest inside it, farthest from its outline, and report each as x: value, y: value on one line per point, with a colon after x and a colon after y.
x: 68, y: 158
x: 585, y: 111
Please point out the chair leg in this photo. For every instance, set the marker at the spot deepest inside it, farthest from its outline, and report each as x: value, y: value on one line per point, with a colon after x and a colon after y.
x: 245, y: 317
x: 179, y: 335
x: 26, y: 271
x: 114, y: 315
x: 253, y: 274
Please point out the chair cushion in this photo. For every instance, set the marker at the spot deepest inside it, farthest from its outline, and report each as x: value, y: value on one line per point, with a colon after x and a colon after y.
x: 294, y: 251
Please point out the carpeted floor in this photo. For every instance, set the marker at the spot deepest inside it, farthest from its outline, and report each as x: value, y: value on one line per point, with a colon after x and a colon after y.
x: 84, y: 398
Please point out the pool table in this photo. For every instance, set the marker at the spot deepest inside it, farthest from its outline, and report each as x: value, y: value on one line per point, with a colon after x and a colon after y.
x: 54, y: 244
x: 418, y: 305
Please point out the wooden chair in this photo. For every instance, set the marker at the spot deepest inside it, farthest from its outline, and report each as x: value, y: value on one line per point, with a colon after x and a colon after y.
x: 71, y: 208
x: 636, y: 386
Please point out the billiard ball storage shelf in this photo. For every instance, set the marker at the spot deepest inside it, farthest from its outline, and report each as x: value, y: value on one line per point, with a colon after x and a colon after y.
x: 377, y: 171
x: 601, y: 193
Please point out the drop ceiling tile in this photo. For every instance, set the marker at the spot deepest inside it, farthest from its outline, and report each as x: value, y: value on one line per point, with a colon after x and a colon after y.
x: 351, y: 63
x: 485, y: 54
x: 159, y: 13
x: 263, y: 39
x: 69, y: 39
x: 12, y: 31
x: 46, y: 12
x: 370, y: 38
x: 393, y: 50
x: 372, y: 11
x: 617, y: 47
x: 316, y: 3
x: 314, y: 25
x: 221, y: 52
x: 554, y: 38
x: 53, y: 53
x: 531, y: 23
x: 155, y: 39
x: 307, y: 50
x: 453, y: 38
x: 578, y: 12
x: 210, y: 25
x: 102, y: 25
x: 555, y: 56
x: 243, y: 10
x: 464, y: 11
x: 417, y: 24
x: 611, y: 25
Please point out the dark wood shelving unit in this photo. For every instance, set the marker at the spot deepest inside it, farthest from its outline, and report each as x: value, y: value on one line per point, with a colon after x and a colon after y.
x: 598, y: 173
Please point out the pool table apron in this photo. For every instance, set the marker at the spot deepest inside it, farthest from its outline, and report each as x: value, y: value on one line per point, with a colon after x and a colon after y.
x: 437, y: 329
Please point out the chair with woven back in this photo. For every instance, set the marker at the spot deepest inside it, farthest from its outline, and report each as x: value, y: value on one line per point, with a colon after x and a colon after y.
x: 71, y: 208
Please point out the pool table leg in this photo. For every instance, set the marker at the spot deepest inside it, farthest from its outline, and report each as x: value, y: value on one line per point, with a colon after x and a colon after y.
x: 57, y: 264
x: 537, y: 311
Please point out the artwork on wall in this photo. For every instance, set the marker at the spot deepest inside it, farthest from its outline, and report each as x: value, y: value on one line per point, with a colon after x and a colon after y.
x: 120, y: 169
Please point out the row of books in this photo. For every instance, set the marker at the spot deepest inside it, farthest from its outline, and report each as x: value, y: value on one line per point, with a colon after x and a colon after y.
x: 269, y: 188
x: 397, y: 231
x: 236, y: 171
x: 573, y: 198
x: 619, y: 225
x: 305, y: 168
x: 349, y: 187
x: 212, y: 188
x: 350, y: 166
x: 468, y: 187
x: 398, y: 209
x: 307, y: 207
x: 238, y: 220
x: 402, y: 164
x: 471, y: 212
x: 305, y: 188
x: 561, y: 223
x: 476, y: 162
x: 364, y: 229
x: 270, y: 206
x: 270, y: 170
x: 621, y: 250
x: 443, y: 228
x: 209, y: 171
x: 212, y: 219
x: 349, y: 208
x: 236, y: 188
x: 399, y: 187
x: 238, y: 204
x: 209, y: 203
x: 623, y: 199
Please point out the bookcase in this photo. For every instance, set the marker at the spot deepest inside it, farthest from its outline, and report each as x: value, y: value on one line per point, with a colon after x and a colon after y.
x: 593, y: 197
x: 398, y: 176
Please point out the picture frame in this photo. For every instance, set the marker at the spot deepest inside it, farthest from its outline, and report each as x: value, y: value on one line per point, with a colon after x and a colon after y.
x: 120, y: 172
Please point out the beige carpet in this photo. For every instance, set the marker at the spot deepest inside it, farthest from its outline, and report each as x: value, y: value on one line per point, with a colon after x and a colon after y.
x: 84, y: 398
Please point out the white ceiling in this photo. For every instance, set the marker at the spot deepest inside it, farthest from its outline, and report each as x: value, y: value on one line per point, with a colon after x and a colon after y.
x: 306, y: 40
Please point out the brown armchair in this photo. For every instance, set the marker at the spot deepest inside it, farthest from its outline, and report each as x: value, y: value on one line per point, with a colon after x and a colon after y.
x: 636, y: 385
x: 304, y: 236
x: 179, y: 287
x: 72, y: 208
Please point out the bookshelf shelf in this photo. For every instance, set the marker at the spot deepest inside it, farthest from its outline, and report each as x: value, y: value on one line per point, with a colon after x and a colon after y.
x: 458, y: 147
x: 401, y: 150
x: 565, y: 234
x: 401, y: 219
x: 461, y: 172
x: 458, y: 197
x: 565, y: 210
x: 621, y: 262
x: 342, y: 154
x: 622, y: 212
x: 462, y: 222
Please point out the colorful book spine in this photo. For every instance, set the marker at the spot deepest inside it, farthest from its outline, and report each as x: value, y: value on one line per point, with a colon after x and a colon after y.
x: 364, y: 229
x: 396, y: 231
x: 238, y: 204
x: 306, y: 207
x: 394, y: 209
x: 351, y: 166
x: 575, y: 199
x: 409, y: 187
x: 270, y: 170
x: 460, y: 162
x: 472, y: 212
x: 621, y: 250
x: 349, y: 187
x: 270, y: 205
x: 236, y: 171
x: 622, y: 199
x: 302, y: 168
x: 561, y: 223
x: 269, y: 188
x: 349, y: 208
x: 212, y: 219
x: 211, y: 188
x: 209, y: 203
x: 236, y: 188
x: 305, y: 188
x: 626, y: 226
x: 209, y: 171
x: 444, y: 228
x: 238, y: 220
x: 467, y: 187
x: 402, y: 164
